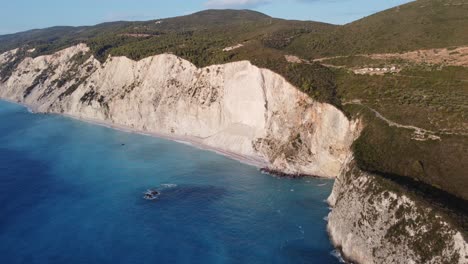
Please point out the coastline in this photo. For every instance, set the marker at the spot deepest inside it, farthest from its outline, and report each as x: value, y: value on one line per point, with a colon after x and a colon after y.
x: 100, y: 175
x: 257, y: 162
x: 192, y: 141
x: 187, y: 140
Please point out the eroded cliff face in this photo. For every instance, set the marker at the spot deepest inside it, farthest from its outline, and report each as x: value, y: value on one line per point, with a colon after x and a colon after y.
x: 374, y: 221
x: 236, y: 107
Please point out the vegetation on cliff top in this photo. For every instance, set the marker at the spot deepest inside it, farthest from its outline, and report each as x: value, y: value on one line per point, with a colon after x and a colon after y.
x: 200, y: 38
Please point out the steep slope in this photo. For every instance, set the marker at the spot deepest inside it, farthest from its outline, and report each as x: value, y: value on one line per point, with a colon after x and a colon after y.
x: 375, y: 220
x: 236, y: 107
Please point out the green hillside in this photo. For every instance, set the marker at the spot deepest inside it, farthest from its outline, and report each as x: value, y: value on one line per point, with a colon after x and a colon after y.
x: 212, y: 28
x: 417, y: 25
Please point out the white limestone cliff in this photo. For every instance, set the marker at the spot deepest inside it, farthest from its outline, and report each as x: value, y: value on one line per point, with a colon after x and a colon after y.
x: 236, y: 108
x: 374, y: 221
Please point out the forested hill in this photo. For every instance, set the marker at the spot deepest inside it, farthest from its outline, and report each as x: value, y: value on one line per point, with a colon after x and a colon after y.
x: 210, y: 28
x: 416, y: 25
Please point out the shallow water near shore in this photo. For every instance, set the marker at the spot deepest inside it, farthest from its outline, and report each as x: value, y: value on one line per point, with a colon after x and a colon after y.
x: 72, y: 192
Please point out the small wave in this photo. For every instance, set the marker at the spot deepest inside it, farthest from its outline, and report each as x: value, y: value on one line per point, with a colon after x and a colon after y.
x: 169, y: 185
x: 322, y: 184
x: 337, y: 254
x: 184, y: 142
x: 325, y: 218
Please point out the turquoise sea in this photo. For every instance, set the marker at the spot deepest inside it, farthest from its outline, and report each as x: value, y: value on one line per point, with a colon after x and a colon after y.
x: 72, y: 192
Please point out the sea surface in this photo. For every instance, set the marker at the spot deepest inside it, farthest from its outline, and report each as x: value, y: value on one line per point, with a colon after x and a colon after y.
x: 72, y: 192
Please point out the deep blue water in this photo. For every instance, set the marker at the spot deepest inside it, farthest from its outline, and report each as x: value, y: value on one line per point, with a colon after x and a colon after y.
x: 70, y: 192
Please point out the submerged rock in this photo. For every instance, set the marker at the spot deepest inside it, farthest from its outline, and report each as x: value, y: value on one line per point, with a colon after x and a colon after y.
x: 151, y: 194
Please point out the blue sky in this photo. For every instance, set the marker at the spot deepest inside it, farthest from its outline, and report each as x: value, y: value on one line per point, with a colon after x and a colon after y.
x: 20, y: 15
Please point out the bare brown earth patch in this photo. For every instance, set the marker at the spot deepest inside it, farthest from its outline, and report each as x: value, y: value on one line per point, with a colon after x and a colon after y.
x: 136, y: 35
x: 293, y: 59
x: 447, y: 56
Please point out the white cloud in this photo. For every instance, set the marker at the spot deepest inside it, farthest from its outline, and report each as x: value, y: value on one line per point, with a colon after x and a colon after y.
x: 235, y: 3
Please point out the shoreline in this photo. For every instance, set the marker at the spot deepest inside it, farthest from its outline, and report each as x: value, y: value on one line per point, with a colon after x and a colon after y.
x: 187, y: 140
x: 195, y: 142
x: 257, y: 162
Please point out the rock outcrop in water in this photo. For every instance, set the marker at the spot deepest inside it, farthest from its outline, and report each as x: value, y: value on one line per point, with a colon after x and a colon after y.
x: 241, y: 109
